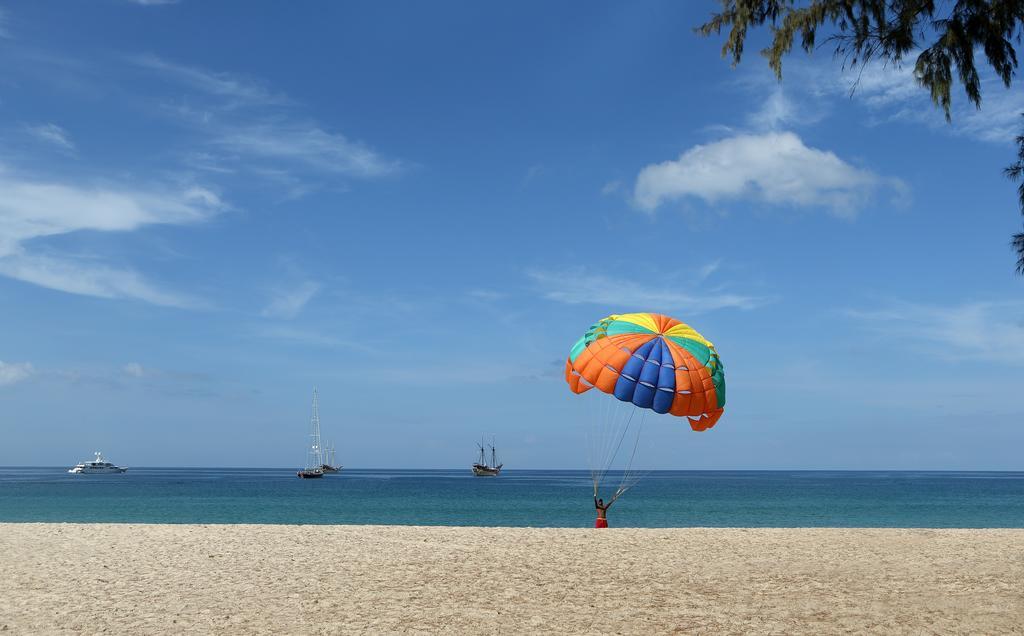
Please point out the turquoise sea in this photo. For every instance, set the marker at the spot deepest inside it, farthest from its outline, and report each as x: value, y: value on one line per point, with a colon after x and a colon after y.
x: 516, y: 498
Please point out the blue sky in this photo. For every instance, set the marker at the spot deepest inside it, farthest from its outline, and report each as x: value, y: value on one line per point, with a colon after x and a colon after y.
x: 207, y: 208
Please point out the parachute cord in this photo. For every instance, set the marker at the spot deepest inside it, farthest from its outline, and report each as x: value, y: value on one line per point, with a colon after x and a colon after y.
x: 612, y: 425
x: 606, y: 423
x: 629, y: 466
x: 618, y: 445
x: 597, y: 434
x: 628, y: 475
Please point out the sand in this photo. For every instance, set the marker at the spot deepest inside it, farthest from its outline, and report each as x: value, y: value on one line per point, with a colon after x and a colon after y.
x: 147, y: 579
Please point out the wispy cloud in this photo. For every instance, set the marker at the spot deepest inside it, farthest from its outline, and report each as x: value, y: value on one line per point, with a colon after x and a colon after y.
x: 982, y: 331
x: 52, y: 134
x: 227, y: 85
x: 892, y: 94
x: 246, y: 125
x: 31, y: 210
x: 776, y: 168
x: 577, y: 286
x: 134, y: 369
x: 170, y: 381
x: 774, y: 111
x: 76, y: 276
x: 288, y: 303
x: 153, y: 3
x: 708, y: 269
x: 532, y: 173
x: 12, y: 372
x: 305, y: 143
x: 486, y: 295
x: 777, y: 110
x: 304, y: 336
x: 877, y: 84
x: 133, y: 376
x: 469, y: 371
x: 35, y: 208
x: 4, y: 33
x: 612, y: 187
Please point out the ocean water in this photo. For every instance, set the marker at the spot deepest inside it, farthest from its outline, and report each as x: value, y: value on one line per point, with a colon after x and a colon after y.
x: 516, y: 498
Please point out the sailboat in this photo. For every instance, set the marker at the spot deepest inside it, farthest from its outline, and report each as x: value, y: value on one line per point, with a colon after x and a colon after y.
x: 330, y: 464
x: 315, y: 457
x: 481, y: 468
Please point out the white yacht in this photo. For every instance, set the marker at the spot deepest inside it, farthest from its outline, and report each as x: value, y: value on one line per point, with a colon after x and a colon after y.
x: 98, y: 465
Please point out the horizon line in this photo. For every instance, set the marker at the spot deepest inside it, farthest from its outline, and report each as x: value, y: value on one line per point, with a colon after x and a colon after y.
x: 580, y: 470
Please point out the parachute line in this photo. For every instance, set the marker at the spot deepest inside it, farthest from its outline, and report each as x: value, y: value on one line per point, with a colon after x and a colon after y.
x: 618, y: 444
x: 608, y: 424
x: 629, y: 477
x: 607, y: 433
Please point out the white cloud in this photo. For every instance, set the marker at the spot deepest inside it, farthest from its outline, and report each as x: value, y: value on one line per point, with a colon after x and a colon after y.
x: 224, y: 85
x: 306, y: 337
x: 52, y: 134
x: 290, y: 302
x: 578, y: 286
x: 775, y: 111
x: 486, y: 295
x: 776, y: 168
x: 134, y: 369
x: 892, y: 93
x: 11, y: 372
x: 998, y: 121
x: 255, y: 128
x: 708, y: 269
x: 878, y: 84
x: 307, y: 144
x: 983, y: 331
x: 31, y: 210
x: 533, y: 172
x: 612, y: 187
x: 87, y: 279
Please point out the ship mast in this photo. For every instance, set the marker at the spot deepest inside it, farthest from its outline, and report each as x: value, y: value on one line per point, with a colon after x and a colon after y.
x: 315, y: 452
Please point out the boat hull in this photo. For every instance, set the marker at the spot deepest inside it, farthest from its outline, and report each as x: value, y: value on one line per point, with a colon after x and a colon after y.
x: 310, y: 474
x: 486, y: 471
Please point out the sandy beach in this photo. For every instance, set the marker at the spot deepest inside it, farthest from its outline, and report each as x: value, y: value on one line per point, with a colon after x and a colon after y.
x: 145, y: 579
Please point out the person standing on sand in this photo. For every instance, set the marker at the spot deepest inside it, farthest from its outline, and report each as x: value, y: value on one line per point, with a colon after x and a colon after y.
x: 602, y: 513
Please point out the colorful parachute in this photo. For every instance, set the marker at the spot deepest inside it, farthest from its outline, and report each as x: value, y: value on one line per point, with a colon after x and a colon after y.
x: 654, y: 362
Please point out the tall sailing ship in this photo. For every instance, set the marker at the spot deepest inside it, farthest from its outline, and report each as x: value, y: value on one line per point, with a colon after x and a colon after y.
x: 330, y: 464
x: 319, y: 461
x: 481, y: 468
